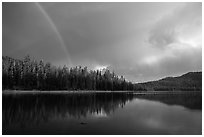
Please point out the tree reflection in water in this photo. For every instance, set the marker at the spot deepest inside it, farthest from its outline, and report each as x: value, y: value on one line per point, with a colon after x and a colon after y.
x: 191, y: 100
x: 27, y: 109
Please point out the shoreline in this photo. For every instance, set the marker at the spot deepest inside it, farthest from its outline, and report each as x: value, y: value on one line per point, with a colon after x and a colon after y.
x: 91, y: 91
x: 60, y: 91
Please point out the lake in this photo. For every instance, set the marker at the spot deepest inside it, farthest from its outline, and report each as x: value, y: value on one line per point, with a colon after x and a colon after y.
x: 102, y: 113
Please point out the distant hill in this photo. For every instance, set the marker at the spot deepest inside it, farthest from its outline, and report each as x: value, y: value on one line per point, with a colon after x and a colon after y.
x: 191, y: 81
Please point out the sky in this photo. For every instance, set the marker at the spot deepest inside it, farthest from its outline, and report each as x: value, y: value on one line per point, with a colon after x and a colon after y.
x: 141, y: 41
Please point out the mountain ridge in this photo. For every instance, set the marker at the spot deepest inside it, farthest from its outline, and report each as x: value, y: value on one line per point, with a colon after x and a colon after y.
x: 190, y: 81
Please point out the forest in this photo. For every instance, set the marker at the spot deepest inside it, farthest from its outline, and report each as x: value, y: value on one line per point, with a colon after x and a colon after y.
x: 30, y: 74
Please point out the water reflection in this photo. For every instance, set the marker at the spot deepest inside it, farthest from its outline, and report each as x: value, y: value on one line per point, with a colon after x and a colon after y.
x: 191, y: 100
x: 21, y: 111
x: 33, y: 109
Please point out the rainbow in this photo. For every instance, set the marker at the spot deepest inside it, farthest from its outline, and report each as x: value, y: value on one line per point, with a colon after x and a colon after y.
x: 55, y: 29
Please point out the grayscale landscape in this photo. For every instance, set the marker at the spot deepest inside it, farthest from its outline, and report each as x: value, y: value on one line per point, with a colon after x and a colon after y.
x: 97, y: 68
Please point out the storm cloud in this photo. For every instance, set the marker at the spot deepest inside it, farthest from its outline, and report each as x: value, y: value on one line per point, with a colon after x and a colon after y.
x: 142, y: 41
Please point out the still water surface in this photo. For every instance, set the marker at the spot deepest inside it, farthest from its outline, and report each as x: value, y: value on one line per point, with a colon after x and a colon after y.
x: 101, y: 113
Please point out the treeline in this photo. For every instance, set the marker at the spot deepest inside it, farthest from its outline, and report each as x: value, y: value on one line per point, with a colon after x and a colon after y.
x: 30, y: 74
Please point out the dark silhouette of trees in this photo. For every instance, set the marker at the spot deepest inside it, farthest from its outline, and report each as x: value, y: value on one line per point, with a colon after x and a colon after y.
x: 29, y: 74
